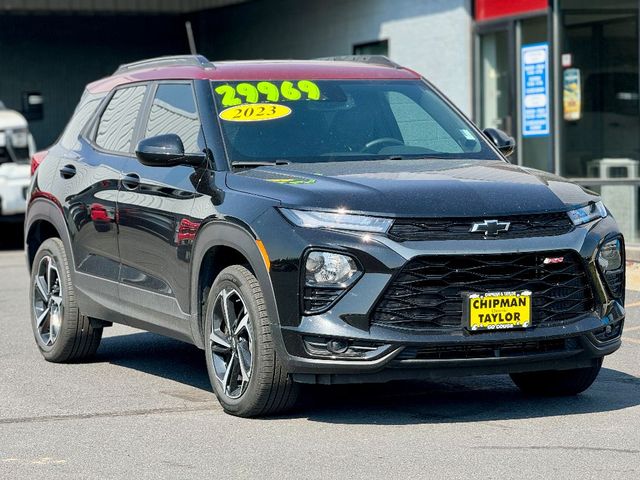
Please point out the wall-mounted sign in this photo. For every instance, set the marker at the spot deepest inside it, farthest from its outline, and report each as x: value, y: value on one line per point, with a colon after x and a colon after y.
x: 571, y: 95
x: 535, y: 89
x: 489, y: 9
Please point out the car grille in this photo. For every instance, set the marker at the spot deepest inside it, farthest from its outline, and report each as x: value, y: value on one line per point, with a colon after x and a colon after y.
x: 487, y: 350
x: 615, y: 280
x: 427, y: 293
x: 539, y: 225
x: 317, y: 299
x: 19, y: 154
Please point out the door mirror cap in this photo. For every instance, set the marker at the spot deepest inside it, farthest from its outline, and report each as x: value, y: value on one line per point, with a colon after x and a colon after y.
x: 501, y: 140
x: 165, y: 151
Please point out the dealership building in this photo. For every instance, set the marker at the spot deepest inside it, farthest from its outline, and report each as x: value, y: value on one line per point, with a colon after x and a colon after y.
x: 561, y: 76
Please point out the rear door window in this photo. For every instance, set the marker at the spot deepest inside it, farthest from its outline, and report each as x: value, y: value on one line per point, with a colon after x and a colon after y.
x: 117, y: 123
x: 84, y: 111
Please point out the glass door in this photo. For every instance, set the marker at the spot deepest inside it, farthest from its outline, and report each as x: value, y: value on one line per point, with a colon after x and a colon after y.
x: 600, y: 112
x: 534, y: 100
x: 495, y: 82
x: 506, y: 98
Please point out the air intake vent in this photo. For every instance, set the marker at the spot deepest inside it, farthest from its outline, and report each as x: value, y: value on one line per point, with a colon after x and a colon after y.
x: 427, y: 292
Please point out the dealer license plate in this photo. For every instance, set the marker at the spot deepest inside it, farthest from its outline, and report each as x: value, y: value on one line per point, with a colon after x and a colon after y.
x: 498, y: 310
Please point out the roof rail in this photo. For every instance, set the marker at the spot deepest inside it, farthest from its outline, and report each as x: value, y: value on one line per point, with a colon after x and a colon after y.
x: 171, y: 60
x: 370, y: 59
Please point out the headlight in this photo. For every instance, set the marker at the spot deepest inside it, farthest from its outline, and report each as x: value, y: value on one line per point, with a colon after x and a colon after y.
x: 611, y: 266
x: 610, y: 256
x: 327, y: 277
x: 587, y: 214
x: 341, y: 221
x: 329, y: 269
x: 20, y: 138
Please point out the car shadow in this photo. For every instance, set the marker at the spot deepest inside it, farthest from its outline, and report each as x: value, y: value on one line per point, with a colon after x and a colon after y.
x: 463, y: 400
x: 12, y: 236
x: 469, y: 399
x: 156, y: 355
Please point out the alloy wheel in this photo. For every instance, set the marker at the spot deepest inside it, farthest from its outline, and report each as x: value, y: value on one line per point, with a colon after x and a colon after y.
x: 231, y: 343
x: 47, y: 302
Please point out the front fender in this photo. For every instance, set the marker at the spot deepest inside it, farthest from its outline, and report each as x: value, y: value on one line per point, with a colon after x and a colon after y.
x: 223, y: 233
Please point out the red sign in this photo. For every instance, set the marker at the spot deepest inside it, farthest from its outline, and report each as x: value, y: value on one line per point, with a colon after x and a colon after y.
x: 490, y: 9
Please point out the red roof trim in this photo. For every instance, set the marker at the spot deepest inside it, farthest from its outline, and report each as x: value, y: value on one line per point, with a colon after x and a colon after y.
x: 258, y: 70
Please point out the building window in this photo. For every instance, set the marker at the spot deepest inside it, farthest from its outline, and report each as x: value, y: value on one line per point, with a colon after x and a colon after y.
x: 380, y: 47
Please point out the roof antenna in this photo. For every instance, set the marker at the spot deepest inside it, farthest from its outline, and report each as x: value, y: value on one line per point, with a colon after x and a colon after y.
x: 192, y: 41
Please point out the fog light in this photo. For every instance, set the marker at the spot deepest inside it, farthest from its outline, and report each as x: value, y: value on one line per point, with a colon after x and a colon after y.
x: 330, y: 269
x: 338, y: 346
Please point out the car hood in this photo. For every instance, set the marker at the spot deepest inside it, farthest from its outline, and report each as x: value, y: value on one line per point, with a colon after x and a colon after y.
x: 414, y: 188
x: 15, y: 171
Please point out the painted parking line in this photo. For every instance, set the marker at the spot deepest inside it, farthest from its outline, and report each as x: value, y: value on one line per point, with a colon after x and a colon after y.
x: 631, y: 305
x: 632, y: 329
x: 631, y: 340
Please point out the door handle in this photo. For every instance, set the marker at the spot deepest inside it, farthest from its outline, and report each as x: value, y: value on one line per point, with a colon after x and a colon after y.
x: 130, y: 181
x: 67, y: 171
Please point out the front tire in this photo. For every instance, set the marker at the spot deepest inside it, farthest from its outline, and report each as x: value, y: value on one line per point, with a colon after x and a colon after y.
x: 557, y: 382
x: 245, y: 371
x: 62, y: 333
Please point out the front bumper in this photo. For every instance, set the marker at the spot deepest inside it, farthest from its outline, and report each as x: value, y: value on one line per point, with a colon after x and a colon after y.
x: 387, y: 353
x: 13, y: 192
x: 479, y: 355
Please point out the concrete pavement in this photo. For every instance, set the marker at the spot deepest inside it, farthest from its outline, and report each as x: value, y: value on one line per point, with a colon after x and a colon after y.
x: 143, y: 409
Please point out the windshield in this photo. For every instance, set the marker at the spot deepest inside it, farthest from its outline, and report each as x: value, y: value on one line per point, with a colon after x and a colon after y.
x: 341, y: 120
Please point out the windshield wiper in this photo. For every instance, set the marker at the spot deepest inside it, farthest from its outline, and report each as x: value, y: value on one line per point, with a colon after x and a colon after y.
x: 243, y: 164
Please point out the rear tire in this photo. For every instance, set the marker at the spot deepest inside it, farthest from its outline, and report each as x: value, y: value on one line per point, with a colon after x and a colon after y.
x: 62, y: 333
x: 557, y: 382
x: 245, y: 371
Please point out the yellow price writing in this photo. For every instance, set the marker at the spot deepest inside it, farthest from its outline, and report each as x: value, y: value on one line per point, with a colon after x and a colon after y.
x: 269, y: 90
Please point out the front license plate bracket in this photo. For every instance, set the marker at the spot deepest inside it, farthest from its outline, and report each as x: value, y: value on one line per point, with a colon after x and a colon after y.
x: 493, y: 311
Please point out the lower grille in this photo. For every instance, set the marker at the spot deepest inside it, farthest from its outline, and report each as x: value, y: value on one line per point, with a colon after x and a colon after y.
x: 317, y: 299
x: 427, y: 293
x: 615, y: 280
x: 487, y: 350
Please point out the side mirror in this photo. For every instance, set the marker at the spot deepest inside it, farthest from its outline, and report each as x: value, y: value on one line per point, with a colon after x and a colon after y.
x: 165, y: 151
x: 501, y: 140
x: 32, y: 106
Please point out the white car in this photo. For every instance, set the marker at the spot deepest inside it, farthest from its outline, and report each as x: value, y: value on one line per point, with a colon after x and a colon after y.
x: 16, y: 148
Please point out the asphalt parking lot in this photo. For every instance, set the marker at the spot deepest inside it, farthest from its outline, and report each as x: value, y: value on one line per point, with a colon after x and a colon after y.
x: 143, y: 409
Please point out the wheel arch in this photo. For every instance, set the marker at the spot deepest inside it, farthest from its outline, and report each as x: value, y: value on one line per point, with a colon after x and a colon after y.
x: 44, y: 220
x: 221, y: 244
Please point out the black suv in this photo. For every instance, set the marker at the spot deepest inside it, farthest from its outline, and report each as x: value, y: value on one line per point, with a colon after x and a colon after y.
x: 323, y: 221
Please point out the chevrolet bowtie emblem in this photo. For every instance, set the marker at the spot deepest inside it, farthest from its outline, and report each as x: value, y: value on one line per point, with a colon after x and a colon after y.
x: 490, y: 228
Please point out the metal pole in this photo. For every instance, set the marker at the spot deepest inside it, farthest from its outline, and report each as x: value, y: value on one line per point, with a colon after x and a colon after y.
x: 192, y: 41
x: 556, y: 71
